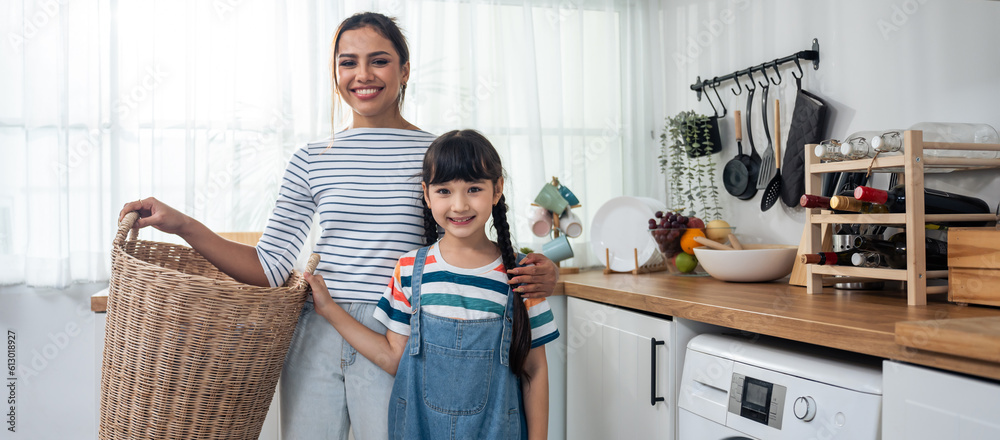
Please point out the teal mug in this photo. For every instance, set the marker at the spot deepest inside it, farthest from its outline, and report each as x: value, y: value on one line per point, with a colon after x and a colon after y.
x: 568, y: 195
x: 558, y: 249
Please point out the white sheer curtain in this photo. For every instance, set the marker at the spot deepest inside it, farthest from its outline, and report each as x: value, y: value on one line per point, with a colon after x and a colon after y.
x: 201, y: 103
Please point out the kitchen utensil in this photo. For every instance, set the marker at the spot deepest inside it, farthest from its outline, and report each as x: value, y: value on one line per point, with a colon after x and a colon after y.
x: 766, y: 161
x: 808, y: 126
x: 754, y: 169
x: 735, y: 243
x: 621, y: 226
x: 755, y: 263
x: 558, y: 249
x: 773, y: 191
x: 735, y: 176
x: 712, y: 243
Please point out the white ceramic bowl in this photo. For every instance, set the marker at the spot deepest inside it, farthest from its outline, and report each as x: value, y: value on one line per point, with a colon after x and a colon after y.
x: 755, y: 263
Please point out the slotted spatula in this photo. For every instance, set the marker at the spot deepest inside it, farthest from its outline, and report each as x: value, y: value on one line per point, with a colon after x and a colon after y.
x: 773, y: 191
x: 767, y: 161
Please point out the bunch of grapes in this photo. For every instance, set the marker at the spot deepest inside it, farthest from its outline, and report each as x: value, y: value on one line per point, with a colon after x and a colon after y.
x: 667, y: 229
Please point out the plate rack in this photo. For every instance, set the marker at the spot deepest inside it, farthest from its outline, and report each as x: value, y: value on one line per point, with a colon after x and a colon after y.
x: 912, y: 161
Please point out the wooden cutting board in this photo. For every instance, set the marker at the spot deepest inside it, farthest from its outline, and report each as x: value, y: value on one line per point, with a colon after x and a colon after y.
x: 978, y: 338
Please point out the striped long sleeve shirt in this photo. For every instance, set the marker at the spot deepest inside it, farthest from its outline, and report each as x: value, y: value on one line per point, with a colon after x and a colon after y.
x: 366, y: 190
x: 454, y: 292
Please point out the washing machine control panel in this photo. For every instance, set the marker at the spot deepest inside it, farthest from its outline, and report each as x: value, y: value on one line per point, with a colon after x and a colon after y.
x: 757, y: 400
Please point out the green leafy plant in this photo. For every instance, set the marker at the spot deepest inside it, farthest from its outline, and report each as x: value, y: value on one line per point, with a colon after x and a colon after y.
x: 526, y: 250
x: 687, y: 157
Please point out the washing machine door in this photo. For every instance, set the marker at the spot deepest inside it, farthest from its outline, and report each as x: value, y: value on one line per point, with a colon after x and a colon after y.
x: 694, y: 427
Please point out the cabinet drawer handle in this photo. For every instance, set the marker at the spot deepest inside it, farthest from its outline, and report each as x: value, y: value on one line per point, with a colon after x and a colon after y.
x: 652, y: 369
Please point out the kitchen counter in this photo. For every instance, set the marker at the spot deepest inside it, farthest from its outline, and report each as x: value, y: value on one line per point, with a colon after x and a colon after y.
x: 861, y: 322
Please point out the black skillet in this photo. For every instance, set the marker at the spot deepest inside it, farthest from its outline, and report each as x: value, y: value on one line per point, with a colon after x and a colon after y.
x: 753, y: 169
x: 735, y: 176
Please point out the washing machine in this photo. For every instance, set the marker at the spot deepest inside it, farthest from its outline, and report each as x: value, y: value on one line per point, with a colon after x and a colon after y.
x: 735, y: 387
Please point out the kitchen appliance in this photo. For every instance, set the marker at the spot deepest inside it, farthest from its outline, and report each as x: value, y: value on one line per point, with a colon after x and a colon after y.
x: 735, y: 388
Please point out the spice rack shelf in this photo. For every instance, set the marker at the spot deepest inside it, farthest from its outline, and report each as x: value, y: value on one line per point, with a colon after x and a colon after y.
x: 912, y: 162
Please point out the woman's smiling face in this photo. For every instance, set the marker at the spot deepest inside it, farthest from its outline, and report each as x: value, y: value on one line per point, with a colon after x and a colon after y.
x: 369, y: 76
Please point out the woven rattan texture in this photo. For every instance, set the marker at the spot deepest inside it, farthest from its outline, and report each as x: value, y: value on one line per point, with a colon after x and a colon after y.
x: 190, y: 353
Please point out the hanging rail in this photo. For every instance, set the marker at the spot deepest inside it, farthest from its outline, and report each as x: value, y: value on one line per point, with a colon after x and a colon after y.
x: 811, y: 55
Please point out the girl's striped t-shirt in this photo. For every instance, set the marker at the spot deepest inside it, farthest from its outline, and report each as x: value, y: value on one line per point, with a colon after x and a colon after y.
x: 454, y: 292
x: 366, y: 189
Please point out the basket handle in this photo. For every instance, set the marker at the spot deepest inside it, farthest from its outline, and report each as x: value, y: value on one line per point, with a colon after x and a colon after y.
x: 126, y: 225
x: 310, y: 267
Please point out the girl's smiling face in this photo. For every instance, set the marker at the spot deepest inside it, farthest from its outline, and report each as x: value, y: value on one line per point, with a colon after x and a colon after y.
x: 370, y: 76
x: 463, y: 208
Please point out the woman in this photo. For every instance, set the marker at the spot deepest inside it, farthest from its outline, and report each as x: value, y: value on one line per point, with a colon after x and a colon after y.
x: 364, y: 187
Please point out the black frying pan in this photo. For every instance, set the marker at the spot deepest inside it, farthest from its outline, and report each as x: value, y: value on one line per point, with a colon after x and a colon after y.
x: 736, y: 174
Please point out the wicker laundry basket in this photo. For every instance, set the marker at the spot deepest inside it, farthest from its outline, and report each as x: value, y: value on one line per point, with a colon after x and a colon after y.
x: 189, y: 353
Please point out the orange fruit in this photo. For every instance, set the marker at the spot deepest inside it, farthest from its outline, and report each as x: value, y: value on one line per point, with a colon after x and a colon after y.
x: 687, y: 240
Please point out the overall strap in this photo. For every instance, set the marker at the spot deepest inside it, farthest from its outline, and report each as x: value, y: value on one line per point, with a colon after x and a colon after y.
x: 415, y: 281
x: 508, y: 322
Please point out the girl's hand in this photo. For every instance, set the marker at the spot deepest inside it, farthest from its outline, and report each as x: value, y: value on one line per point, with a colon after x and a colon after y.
x: 537, y: 277
x: 320, y: 295
x: 157, y: 214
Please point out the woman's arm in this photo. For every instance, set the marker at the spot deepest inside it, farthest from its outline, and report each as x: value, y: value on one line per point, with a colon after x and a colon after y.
x: 536, y: 394
x: 537, y: 276
x: 237, y: 260
x: 383, y: 350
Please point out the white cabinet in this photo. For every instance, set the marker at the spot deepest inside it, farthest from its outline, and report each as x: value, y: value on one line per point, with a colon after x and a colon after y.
x: 920, y: 403
x: 617, y: 366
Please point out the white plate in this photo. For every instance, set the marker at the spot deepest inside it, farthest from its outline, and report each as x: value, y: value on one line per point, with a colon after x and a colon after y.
x: 622, y: 225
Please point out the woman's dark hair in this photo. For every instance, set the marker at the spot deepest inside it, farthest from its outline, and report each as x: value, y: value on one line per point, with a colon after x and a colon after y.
x: 468, y: 156
x: 386, y: 27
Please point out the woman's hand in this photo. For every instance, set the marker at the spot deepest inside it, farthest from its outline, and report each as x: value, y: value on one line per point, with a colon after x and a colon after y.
x: 157, y: 214
x: 537, y: 277
x: 322, y: 301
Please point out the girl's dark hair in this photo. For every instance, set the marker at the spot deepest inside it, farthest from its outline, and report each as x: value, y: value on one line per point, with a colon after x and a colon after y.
x: 386, y: 27
x: 468, y: 156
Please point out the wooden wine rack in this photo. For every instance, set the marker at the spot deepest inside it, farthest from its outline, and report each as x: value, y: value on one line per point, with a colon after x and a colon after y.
x: 912, y: 161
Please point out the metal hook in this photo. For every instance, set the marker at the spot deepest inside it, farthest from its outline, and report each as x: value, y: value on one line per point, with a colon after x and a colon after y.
x: 752, y: 81
x: 715, y: 87
x: 801, y: 73
x: 738, y: 85
x: 774, y: 64
x: 714, y: 111
x: 763, y: 71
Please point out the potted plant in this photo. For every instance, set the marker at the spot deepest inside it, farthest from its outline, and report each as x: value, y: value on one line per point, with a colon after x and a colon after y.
x: 687, y: 156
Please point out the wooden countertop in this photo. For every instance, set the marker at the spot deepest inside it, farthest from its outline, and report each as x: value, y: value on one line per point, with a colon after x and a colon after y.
x: 862, y: 322
x: 964, y: 339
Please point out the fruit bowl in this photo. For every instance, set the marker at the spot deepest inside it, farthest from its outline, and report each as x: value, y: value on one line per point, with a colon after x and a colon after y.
x: 754, y: 263
x: 676, y: 246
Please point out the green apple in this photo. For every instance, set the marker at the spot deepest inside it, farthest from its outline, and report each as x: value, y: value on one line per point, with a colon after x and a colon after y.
x: 685, y: 262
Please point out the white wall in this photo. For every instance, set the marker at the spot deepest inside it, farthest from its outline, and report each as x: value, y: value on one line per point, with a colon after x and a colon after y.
x: 884, y: 64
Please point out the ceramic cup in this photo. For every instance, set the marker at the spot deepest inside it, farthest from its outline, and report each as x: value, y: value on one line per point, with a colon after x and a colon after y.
x: 558, y: 249
x: 569, y: 223
x: 540, y: 221
x: 549, y: 198
x: 568, y: 195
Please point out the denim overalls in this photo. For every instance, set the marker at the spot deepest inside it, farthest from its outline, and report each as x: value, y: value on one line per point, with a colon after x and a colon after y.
x: 454, y: 379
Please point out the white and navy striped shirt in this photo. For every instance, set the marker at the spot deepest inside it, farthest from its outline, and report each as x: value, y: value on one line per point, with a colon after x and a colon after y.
x: 366, y: 190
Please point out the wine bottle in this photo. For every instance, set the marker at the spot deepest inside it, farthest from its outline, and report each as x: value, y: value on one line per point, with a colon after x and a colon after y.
x: 851, y: 204
x: 935, y: 202
x: 893, y: 254
x: 842, y: 258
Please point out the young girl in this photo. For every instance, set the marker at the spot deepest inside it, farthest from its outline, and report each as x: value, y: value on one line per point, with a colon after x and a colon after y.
x: 467, y: 351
